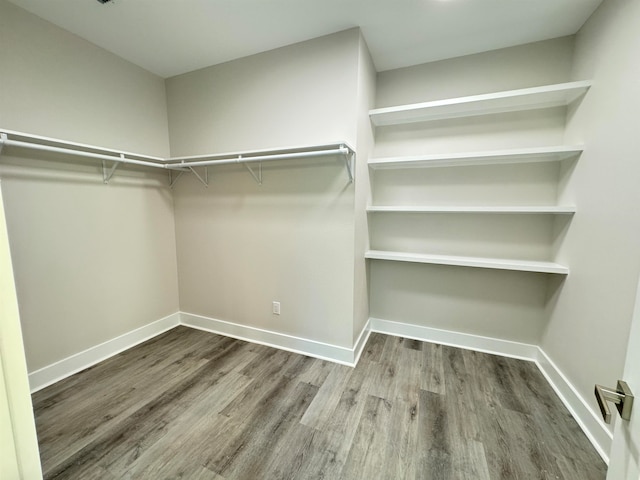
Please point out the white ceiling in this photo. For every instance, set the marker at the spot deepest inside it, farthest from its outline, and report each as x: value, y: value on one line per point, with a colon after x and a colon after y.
x: 169, y: 37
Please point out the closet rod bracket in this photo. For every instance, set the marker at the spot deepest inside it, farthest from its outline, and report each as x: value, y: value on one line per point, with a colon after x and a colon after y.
x: 258, y: 177
x: 107, y: 173
x: 172, y: 181
x: 204, y: 181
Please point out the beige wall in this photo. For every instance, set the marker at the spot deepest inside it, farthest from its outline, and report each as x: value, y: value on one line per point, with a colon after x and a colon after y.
x: 498, y: 304
x: 590, y: 317
x: 524, y: 66
x: 242, y: 245
x: 366, y: 99
x: 58, y: 85
x: 92, y: 261
x: 296, y: 95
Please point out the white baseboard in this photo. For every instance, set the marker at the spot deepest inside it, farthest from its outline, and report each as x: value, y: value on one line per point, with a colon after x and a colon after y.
x: 361, y: 342
x: 66, y: 367
x: 304, y: 346
x: 468, y: 341
x: 589, y: 421
x: 592, y: 425
x: 75, y: 363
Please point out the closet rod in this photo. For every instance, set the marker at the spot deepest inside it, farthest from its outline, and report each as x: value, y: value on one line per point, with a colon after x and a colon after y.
x: 184, y: 163
x: 80, y: 153
x: 177, y: 163
x: 261, y: 158
x: 76, y: 145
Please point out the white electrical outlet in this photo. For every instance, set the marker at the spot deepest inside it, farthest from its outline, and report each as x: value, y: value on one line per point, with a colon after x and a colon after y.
x: 276, y: 308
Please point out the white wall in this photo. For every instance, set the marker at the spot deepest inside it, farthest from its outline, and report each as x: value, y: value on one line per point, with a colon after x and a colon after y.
x: 241, y: 245
x: 92, y: 261
x: 497, y: 304
x: 590, y: 317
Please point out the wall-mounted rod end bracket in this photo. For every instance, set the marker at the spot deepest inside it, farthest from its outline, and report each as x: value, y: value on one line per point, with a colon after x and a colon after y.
x: 349, y: 161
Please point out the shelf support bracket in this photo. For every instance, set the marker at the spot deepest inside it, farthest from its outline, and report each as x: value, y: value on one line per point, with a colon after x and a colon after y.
x: 172, y: 181
x: 349, y: 163
x: 108, y: 173
x: 202, y: 180
x: 257, y: 178
x: 3, y: 138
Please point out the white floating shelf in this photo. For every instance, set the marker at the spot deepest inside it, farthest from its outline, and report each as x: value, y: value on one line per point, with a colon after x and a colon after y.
x: 495, y: 157
x: 552, y: 209
x: 478, y: 262
x: 547, y: 96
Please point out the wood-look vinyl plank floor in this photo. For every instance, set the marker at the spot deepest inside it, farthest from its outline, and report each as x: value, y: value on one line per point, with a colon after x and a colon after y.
x: 194, y: 405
